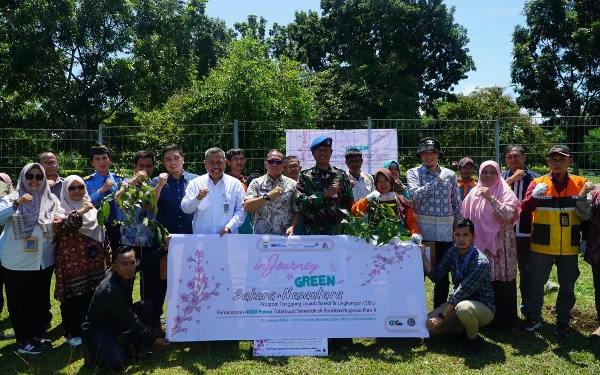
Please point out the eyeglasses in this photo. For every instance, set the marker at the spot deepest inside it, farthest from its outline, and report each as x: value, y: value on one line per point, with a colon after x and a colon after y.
x: 31, y: 176
x: 275, y: 161
x: 49, y: 163
x: 77, y: 187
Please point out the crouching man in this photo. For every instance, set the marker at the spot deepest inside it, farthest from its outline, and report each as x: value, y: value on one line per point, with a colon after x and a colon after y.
x: 115, y: 327
x: 471, y: 303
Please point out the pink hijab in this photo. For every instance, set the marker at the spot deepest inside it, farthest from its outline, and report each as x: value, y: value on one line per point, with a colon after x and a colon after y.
x: 481, y: 212
x: 6, y: 178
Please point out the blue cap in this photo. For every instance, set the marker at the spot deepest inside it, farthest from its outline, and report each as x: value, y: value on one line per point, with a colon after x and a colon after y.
x: 321, y: 141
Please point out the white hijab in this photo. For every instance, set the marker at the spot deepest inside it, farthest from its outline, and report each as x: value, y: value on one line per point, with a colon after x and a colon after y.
x: 44, y: 208
x: 90, y: 225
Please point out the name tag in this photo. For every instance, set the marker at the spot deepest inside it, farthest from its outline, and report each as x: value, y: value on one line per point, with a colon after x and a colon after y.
x: 30, y: 244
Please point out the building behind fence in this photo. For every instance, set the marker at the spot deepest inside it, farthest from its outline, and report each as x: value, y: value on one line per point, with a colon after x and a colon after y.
x: 479, y: 139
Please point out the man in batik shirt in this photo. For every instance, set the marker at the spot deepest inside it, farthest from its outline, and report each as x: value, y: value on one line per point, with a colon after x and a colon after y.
x: 323, y: 192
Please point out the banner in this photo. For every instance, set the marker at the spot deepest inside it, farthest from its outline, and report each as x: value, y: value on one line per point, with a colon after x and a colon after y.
x: 246, y: 287
x: 376, y: 145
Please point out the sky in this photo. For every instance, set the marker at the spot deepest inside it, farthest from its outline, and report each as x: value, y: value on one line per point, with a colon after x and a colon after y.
x: 489, y: 27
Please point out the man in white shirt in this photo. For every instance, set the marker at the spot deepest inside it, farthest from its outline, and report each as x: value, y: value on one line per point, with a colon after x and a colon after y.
x: 215, y: 199
x: 362, y: 183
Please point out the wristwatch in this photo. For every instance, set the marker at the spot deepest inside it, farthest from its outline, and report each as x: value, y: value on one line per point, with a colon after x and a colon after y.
x: 266, y: 197
x: 441, y: 316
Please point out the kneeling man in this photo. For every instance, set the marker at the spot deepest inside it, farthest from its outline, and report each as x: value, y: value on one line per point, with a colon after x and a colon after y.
x: 113, y: 320
x: 471, y: 303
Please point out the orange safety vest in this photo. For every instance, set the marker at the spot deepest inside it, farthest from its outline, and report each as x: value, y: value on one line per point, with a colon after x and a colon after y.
x: 548, y: 236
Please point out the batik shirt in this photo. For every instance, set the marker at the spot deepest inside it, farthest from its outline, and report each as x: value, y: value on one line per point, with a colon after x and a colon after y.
x: 323, y: 215
x: 436, y: 204
x: 275, y: 216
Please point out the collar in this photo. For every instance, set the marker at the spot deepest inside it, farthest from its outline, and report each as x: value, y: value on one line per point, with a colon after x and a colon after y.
x: 316, y: 169
x: 439, y: 170
x: 274, y: 181
x: 361, y: 176
x: 551, y: 176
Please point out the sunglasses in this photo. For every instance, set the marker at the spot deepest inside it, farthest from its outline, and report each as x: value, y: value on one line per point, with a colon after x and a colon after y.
x: 275, y: 161
x: 78, y: 187
x: 31, y: 176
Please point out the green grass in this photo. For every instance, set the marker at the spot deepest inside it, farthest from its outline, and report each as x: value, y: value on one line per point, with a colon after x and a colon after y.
x: 504, y: 352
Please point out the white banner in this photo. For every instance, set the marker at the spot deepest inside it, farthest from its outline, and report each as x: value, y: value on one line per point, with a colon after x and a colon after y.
x: 377, y: 146
x: 246, y: 287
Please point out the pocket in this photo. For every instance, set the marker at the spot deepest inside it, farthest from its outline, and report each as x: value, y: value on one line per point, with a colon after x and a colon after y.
x: 540, y: 234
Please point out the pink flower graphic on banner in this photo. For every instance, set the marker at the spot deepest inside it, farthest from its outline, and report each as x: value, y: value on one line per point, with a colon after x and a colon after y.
x: 383, y: 263
x: 198, y: 291
x: 259, y: 344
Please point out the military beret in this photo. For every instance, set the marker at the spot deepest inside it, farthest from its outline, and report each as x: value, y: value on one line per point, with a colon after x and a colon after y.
x: 99, y: 149
x: 321, y: 141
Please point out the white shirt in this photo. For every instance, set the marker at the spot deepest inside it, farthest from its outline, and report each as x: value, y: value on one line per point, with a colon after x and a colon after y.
x: 363, y: 186
x: 12, y: 251
x: 222, y: 206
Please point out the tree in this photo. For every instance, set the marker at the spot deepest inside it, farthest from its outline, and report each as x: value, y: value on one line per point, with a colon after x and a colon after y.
x: 486, y: 105
x: 387, y: 58
x: 246, y: 85
x: 555, y: 63
x: 81, y: 63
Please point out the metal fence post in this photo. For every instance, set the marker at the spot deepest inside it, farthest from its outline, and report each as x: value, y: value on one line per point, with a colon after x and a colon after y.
x: 100, y: 134
x: 497, y: 139
x: 236, y: 135
x: 369, y: 127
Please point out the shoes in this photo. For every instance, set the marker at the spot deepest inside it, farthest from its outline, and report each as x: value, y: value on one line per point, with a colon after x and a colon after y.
x: 561, y: 329
x: 31, y: 347
x: 74, y: 341
x: 42, y: 341
x: 471, y: 346
x: 6, y: 336
x: 531, y: 325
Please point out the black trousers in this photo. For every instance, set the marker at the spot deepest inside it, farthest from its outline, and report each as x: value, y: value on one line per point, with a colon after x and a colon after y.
x: 596, y: 276
x: 523, y: 259
x: 28, y: 301
x: 1, y: 291
x: 73, y: 311
x: 152, y: 288
x: 113, y: 233
x: 442, y: 287
x: 106, y: 348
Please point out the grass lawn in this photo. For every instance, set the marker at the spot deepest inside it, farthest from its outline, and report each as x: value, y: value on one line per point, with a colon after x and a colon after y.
x: 504, y: 352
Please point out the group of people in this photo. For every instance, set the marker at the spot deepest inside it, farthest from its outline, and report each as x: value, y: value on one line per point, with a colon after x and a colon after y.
x: 480, y: 232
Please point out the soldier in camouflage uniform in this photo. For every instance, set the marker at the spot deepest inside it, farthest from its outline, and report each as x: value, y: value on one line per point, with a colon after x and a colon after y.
x: 323, y: 192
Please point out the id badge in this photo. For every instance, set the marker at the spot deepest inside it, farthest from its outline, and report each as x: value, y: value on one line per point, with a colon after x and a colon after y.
x: 226, y: 207
x: 92, y: 252
x: 564, y: 219
x: 30, y: 244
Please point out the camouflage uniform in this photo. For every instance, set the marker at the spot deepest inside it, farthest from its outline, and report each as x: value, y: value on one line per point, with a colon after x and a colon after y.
x: 323, y: 216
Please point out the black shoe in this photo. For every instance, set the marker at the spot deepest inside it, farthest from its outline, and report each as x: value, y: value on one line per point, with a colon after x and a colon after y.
x: 531, y: 325
x: 31, y: 347
x: 471, y: 346
x: 6, y: 336
x: 562, y: 329
x: 42, y: 341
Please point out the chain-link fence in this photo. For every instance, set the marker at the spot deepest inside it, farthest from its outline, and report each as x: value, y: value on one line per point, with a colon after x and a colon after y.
x: 479, y: 139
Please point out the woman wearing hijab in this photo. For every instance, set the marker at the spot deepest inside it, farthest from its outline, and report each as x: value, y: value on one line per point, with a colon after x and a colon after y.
x: 384, y: 193
x: 6, y: 179
x: 399, y: 188
x: 80, y: 256
x: 27, y: 255
x: 494, y: 209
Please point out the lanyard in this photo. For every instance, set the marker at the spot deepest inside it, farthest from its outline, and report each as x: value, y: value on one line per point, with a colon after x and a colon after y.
x: 460, y: 270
